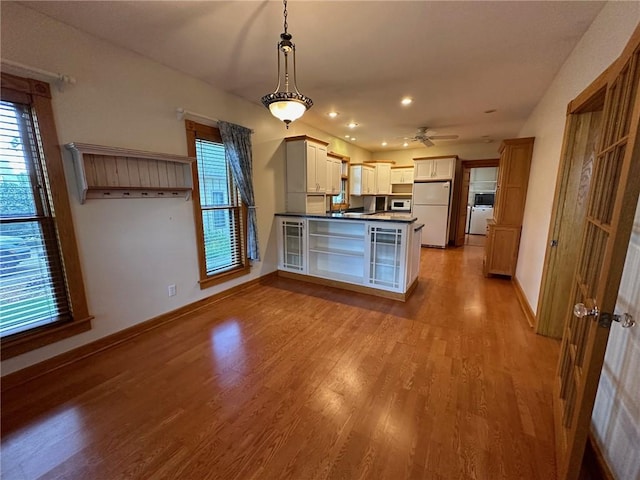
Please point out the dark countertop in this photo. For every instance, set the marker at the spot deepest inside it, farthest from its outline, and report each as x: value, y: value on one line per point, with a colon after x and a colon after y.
x: 369, y: 217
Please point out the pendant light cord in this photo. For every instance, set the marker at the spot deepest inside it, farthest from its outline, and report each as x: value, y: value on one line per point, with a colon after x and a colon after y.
x: 286, y: 25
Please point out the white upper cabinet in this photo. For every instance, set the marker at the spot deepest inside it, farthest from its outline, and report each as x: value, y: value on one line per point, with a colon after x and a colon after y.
x: 362, y: 178
x: 334, y: 174
x: 383, y: 178
x: 306, y: 165
x: 436, y: 168
x: 401, y: 175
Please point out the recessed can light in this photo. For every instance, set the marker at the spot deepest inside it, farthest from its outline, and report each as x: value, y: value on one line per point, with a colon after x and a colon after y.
x: 406, y: 101
x: 405, y: 144
x: 384, y: 144
x: 353, y: 139
x: 352, y: 125
x: 333, y: 114
x: 347, y: 136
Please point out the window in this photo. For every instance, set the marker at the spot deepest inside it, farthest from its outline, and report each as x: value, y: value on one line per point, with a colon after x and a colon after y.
x: 41, y: 290
x: 220, y: 216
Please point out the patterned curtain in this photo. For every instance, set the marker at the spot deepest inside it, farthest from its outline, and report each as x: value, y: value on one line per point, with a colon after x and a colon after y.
x: 237, y: 147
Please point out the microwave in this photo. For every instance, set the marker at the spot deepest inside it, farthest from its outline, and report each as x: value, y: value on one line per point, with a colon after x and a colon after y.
x: 404, y: 205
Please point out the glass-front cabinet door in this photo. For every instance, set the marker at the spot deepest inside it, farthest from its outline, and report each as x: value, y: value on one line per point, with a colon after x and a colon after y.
x: 292, y: 244
x: 386, y: 255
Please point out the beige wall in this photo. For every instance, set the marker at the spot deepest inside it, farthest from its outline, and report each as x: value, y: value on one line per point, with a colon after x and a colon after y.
x: 474, y: 151
x: 131, y: 250
x: 600, y: 46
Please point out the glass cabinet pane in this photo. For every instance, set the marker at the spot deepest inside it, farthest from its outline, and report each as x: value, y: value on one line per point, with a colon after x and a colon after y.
x: 293, y: 248
x: 385, y: 256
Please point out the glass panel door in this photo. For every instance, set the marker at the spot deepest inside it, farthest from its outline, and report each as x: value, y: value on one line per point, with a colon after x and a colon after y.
x: 385, y: 260
x: 292, y: 234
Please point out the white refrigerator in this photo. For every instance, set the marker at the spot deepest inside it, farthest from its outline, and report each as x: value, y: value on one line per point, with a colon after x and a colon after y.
x: 431, y: 206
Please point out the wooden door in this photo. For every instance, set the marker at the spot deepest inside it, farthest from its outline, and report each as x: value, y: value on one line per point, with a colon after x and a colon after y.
x: 613, y: 196
x: 462, y: 207
x: 582, y: 134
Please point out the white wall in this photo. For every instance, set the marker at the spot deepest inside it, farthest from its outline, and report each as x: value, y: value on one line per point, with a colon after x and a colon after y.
x: 599, y: 47
x: 131, y: 250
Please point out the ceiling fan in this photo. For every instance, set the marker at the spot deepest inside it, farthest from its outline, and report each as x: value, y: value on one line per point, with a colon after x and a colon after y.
x: 426, y: 136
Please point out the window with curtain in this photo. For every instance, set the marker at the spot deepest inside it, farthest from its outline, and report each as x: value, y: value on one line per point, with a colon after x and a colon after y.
x: 220, y: 216
x: 40, y: 299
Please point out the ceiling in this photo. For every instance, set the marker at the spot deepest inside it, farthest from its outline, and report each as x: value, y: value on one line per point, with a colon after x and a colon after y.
x: 456, y: 60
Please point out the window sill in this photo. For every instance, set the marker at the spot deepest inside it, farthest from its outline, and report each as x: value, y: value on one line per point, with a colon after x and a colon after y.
x: 27, y: 341
x: 224, y: 277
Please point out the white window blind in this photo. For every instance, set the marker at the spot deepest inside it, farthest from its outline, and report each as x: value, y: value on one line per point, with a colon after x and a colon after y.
x: 32, y: 284
x: 221, y: 209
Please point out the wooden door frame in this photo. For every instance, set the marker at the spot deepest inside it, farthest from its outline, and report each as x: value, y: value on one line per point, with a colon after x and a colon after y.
x: 457, y: 188
x: 588, y: 100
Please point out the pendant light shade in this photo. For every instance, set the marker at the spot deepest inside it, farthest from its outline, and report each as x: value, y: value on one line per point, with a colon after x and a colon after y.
x: 286, y: 105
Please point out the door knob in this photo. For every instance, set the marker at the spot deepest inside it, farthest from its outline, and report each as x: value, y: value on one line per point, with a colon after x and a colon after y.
x: 580, y: 311
x: 626, y: 320
x: 604, y: 319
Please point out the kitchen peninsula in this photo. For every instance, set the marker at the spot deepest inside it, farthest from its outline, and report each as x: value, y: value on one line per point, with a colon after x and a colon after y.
x: 378, y: 254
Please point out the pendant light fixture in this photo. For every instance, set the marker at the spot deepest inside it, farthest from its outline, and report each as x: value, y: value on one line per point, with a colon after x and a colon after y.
x: 287, y: 105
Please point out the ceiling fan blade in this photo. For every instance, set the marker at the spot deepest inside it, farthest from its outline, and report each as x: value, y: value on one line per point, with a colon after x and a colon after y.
x: 443, y: 137
x: 428, y: 143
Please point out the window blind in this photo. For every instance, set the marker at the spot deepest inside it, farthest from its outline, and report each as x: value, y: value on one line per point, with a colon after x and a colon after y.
x: 32, y: 284
x: 221, y: 209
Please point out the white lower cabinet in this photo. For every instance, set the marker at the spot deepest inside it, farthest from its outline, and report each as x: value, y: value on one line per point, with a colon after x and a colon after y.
x: 377, y: 255
x: 291, y: 244
x: 386, y: 256
x: 336, y: 250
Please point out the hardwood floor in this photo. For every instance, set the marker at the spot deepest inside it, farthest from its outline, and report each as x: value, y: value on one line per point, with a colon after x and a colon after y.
x: 297, y: 381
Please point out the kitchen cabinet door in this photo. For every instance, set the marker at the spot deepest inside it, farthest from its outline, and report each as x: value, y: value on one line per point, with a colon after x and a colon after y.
x: 291, y: 244
x: 334, y: 174
x: 383, y: 179
x: 362, y: 178
x: 316, y: 159
x: 423, y: 170
x: 513, y: 179
x: 396, y: 176
x: 306, y: 165
x: 434, y: 168
x: 443, y: 168
x: 386, y: 253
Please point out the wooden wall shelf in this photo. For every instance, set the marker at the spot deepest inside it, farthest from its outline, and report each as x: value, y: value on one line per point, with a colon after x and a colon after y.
x: 112, y: 172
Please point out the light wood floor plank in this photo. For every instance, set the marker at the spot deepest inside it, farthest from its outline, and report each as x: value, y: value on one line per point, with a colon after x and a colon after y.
x: 291, y: 380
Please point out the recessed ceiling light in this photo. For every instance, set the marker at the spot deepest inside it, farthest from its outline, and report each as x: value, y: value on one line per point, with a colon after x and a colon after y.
x: 406, y: 101
x: 384, y: 144
x: 353, y: 139
x: 333, y: 114
x: 347, y: 136
x: 491, y: 110
x: 352, y: 125
x: 405, y: 144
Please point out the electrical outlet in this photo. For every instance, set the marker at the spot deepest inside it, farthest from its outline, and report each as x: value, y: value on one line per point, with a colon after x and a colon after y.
x: 171, y: 290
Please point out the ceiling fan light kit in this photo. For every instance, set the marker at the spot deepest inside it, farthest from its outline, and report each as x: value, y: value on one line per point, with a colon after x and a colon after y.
x: 286, y: 105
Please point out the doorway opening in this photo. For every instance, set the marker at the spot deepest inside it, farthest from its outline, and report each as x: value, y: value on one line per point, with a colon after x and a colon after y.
x: 476, y: 187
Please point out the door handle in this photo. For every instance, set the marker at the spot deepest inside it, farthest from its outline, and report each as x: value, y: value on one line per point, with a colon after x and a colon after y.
x: 604, y: 319
x: 581, y: 311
